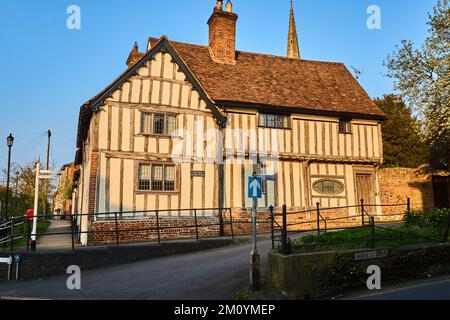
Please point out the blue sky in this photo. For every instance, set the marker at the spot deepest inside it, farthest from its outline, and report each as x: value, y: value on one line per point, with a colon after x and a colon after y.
x: 48, y: 71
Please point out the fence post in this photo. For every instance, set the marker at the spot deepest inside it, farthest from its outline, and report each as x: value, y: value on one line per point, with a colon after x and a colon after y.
x: 12, y: 235
x: 117, y: 228
x: 222, y: 229
x: 372, y: 227
x: 72, y: 229
x: 272, y: 226
x: 28, y: 234
x: 284, y: 240
x: 408, y: 206
x: 196, y: 224
x: 231, y: 223
x: 318, y: 217
x: 363, y: 213
x: 157, y: 227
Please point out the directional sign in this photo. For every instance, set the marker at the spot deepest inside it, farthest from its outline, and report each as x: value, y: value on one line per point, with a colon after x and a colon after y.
x: 255, y: 187
x: 8, y: 260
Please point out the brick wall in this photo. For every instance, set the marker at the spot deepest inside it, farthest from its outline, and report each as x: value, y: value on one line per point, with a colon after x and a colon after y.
x: 93, y: 181
x: 43, y: 264
x: 396, y: 184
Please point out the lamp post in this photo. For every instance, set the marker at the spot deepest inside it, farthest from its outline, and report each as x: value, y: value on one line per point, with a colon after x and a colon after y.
x: 10, y: 142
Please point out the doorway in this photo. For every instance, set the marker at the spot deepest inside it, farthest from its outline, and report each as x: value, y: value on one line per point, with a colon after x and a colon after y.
x: 365, y: 189
x: 441, y: 192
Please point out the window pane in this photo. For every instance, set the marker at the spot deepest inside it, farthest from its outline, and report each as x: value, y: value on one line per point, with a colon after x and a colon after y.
x: 169, y: 178
x: 146, y: 122
x: 144, y: 177
x: 171, y: 124
x: 157, y: 177
x: 262, y: 120
x: 158, y: 124
x: 274, y: 121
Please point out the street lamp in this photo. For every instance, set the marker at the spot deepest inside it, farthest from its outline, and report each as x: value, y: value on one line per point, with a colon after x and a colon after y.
x: 10, y: 143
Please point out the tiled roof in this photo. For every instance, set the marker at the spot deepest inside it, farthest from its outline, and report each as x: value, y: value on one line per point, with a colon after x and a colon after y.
x: 266, y: 80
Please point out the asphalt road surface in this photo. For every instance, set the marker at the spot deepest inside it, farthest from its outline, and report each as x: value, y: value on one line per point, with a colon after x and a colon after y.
x: 209, y: 275
x: 424, y: 290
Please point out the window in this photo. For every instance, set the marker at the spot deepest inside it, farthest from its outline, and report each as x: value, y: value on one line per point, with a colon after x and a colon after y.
x: 328, y: 187
x: 158, y: 123
x: 156, y: 177
x: 274, y: 121
x: 345, y: 126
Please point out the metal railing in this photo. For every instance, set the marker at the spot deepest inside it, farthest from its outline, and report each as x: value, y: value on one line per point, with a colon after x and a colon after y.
x: 195, y: 220
x: 341, y: 223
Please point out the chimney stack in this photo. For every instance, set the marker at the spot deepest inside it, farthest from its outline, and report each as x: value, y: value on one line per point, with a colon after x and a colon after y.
x: 222, y: 34
x: 134, y: 56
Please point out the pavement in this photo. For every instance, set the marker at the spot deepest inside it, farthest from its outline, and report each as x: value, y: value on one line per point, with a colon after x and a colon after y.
x: 57, y: 241
x: 208, y: 275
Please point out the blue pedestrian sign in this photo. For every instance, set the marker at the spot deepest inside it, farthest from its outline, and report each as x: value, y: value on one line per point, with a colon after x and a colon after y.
x: 255, y: 187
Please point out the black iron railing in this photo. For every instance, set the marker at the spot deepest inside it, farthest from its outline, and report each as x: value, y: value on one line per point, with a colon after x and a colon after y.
x: 291, y: 225
x: 195, y: 220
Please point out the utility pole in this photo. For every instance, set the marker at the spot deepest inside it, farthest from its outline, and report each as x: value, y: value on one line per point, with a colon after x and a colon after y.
x: 49, y: 135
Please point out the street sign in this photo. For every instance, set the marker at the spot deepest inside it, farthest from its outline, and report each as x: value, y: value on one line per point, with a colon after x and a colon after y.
x: 255, y: 187
x: 8, y: 260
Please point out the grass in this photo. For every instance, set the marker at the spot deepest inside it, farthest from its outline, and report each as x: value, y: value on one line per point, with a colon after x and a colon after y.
x: 42, y: 227
x: 361, y: 238
x: 267, y: 292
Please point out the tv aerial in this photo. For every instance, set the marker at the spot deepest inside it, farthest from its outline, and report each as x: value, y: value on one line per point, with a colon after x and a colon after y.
x: 358, y: 72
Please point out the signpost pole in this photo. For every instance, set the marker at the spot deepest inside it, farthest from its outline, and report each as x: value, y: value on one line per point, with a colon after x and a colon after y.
x: 36, y: 208
x: 254, y: 189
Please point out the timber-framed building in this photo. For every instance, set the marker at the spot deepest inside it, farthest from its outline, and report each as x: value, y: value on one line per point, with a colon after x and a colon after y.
x: 185, y: 125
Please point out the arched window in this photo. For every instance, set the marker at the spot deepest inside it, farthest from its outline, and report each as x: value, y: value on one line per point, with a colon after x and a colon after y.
x: 328, y: 187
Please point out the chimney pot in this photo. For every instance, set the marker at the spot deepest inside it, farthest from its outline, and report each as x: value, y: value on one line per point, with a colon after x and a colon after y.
x: 229, y: 6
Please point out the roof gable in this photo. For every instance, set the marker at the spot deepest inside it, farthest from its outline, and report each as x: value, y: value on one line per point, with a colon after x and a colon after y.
x: 163, y: 45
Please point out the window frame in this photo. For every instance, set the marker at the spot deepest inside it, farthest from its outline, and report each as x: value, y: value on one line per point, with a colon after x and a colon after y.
x: 284, y: 117
x: 337, y: 182
x: 151, y: 190
x: 152, y: 123
x: 348, y: 126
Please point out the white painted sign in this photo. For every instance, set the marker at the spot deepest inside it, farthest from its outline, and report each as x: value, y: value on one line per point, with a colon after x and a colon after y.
x: 8, y: 261
x: 361, y: 256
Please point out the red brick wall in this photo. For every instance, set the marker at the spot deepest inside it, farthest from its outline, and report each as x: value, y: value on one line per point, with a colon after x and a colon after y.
x: 222, y: 36
x: 93, y: 182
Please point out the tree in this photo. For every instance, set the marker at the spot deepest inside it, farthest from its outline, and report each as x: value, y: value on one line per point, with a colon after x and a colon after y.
x: 22, y: 190
x: 403, y: 142
x: 423, y: 78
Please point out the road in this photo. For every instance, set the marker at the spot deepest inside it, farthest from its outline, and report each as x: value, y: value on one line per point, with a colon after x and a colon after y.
x: 210, y: 275
x: 438, y: 289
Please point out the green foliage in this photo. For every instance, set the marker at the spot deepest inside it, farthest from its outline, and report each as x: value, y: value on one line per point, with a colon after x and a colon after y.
x: 436, y: 218
x: 403, y: 142
x: 423, y: 78
x: 357, y: 238
x: 68, y: 191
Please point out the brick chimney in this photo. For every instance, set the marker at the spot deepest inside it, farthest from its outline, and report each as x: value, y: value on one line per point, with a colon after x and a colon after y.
x: 222, y: 34
x: 134, y: 56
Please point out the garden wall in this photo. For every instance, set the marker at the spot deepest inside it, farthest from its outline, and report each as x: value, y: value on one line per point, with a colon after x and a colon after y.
x: 328, y: 274
x: 396, y: 184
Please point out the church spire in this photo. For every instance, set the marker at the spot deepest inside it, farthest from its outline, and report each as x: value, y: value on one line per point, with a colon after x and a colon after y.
x: 293, y: 50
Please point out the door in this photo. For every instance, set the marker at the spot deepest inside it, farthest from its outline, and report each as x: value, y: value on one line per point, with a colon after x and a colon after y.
x: 441, y: 192
x: 365, y: 190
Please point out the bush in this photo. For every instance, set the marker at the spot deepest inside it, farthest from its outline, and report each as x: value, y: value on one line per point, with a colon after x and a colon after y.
x: 415, y: 218
x: 436, y: 218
